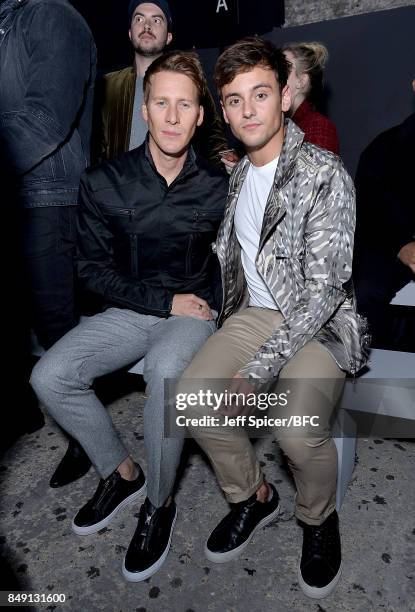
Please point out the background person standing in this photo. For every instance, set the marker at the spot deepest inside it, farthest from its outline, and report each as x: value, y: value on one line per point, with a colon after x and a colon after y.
x: 120, y: 125
x: 47, y: 67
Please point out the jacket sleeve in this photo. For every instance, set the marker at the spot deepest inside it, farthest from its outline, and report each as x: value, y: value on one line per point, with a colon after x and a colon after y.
x: 113, y: 112
x: 99, y: 136
x: 327, y: 266
x: 216, y: 283
x: 61, y: 51
x: 96, y: 265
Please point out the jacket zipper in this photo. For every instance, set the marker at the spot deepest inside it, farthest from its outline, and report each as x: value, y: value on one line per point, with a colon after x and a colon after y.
x: 189, y: 255
x: 206, y: 214
x: 127, y: 212
x: 134, y: 254
x: 133, y: 245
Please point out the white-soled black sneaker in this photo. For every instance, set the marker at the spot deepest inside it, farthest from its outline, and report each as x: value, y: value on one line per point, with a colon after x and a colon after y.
x: 151, y: 541
x: 112, y: 494
x: 235, y: 531
x: 320, y: 565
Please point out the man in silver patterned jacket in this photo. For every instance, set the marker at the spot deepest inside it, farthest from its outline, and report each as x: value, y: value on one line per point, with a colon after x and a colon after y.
x: 288, y: 318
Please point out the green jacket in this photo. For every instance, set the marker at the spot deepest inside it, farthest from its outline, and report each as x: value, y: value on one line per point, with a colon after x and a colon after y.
x: 116, y: 103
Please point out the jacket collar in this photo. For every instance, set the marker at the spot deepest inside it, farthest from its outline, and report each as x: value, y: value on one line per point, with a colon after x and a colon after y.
x: 275, y: 208
x: 293, y: 139
x: 302, y: 112
x: 190, y: 166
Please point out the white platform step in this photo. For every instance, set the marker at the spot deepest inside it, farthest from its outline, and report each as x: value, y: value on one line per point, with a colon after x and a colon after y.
x: 387, y: 388
x: 406, y: 296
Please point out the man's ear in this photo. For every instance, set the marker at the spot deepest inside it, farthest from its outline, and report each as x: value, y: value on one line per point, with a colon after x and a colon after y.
x: 169, y: 38
x: 129, y: 34
x: 286, y: 99
x: 144, y: 112
x: 224, y: 113
x: 201, y: 116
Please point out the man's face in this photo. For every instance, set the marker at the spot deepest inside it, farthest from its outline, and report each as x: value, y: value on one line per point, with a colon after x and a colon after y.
x: 148, y: 31
x: 253, y: 105
x: 172, y: 112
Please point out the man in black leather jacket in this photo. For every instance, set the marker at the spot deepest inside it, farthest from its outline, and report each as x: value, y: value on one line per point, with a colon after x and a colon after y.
x: 146, y: 225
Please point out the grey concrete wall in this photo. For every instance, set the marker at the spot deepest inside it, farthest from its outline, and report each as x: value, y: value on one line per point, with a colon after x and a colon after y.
x: 300, y: 12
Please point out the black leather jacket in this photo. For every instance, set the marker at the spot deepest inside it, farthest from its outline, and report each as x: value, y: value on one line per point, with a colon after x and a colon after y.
x: 47, y: 73
x: 142, y: 241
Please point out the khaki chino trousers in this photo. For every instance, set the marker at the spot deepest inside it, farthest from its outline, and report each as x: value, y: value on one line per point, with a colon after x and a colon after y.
x: 315, y: 383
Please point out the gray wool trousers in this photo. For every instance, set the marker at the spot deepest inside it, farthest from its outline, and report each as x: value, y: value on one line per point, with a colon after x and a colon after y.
x: 100, y: 345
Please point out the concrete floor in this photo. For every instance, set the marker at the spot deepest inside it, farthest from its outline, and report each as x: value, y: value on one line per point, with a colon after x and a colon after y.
x: 377, y: 525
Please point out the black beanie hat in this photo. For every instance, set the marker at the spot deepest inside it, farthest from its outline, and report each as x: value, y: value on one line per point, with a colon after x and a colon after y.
x: 162, y: 4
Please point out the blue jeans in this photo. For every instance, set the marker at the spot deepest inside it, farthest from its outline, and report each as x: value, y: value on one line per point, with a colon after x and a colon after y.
x: 102, y: 344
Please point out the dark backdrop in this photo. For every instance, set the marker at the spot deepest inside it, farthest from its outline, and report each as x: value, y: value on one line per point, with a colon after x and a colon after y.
x: 369, y: 74
x: 197, y: 23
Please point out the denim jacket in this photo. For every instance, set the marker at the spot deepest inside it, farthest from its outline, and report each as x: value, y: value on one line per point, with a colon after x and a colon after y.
x: 47, y: 73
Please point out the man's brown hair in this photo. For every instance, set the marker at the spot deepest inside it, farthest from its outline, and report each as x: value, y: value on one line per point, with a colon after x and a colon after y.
x: 245, y: 55
x: 183, y: 62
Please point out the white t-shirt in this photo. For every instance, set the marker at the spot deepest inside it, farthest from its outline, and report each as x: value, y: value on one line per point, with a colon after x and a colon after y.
x: 249, y: 215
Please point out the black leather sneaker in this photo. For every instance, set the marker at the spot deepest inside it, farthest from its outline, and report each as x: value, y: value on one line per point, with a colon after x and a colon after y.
x: 320, y: 564
x: 235, y: 531
x: 112, y: 494
x: 151, y: 541
x: 74, y: 464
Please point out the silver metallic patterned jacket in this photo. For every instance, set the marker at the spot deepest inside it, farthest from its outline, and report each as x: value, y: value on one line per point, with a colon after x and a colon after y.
x: 304, y: 257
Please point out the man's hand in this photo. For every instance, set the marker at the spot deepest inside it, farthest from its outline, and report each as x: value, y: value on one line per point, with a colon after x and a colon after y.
x: 407, y: 255
x: 189, y: 305
x: 239, y: 385
x: 229, y: 158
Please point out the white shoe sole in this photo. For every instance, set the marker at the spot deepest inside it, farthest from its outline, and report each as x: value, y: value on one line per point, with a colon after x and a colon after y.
x: 315, y: 592
x: 234, y: 554
x: 107, y: 520
x: 140, y: 576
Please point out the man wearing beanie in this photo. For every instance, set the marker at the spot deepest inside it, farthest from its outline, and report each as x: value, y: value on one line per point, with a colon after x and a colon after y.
x: 122, y: 127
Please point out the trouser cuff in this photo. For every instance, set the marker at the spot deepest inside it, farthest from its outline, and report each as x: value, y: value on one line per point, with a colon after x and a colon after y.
x: 234, y: 498
x: 315, y: 521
